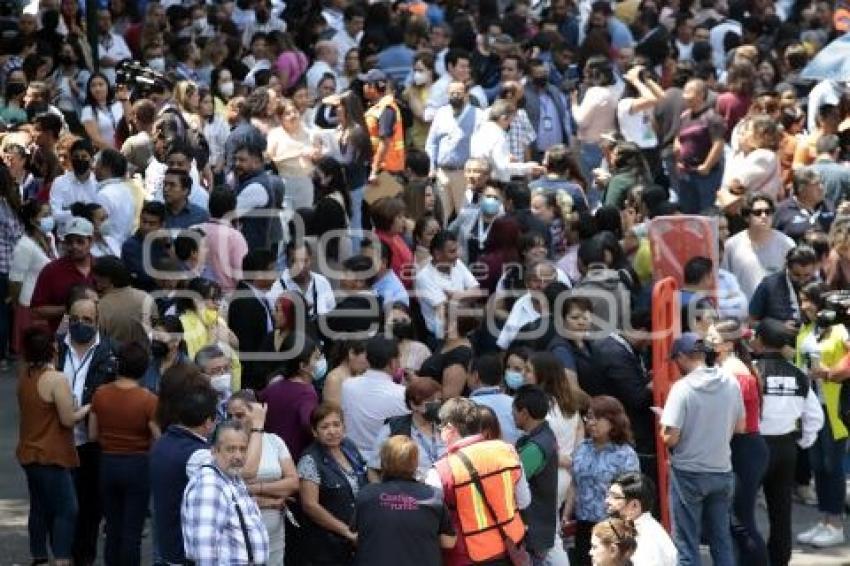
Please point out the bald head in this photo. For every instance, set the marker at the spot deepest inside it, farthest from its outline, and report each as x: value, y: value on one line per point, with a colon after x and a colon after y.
x: 694, y: 94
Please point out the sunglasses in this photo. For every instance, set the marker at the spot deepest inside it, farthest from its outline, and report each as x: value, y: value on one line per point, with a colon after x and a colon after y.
x: 761, y: 212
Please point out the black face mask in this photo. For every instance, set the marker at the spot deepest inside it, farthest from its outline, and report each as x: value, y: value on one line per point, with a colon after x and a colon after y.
x: 66, y: 59
x: 432, y: 411
x: 540, y: 82
x: 80, y: 166
x: 402, y: 330
x: 159, y: 348
x: 35, y: 109
x: 15, y: 89
x: 456, y: 102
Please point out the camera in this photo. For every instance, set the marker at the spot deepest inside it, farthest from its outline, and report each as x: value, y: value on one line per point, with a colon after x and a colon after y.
x: 836, y: 309
x: 141, y: 80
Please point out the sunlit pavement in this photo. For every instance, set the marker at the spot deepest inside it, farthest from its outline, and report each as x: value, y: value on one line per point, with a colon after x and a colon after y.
x: 14, y: 549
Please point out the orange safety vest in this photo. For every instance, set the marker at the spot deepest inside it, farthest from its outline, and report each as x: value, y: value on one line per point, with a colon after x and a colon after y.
x: 499, y: 468
x: 394, y: 157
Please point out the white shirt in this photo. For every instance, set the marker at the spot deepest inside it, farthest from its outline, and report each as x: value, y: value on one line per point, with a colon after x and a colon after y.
x: 67, y: 190
x: 431, y: 285
x: 117, y: 198
x: 76, y: 369
x: 521, y: 314
x: 106, y: 119
x: 252, y: 27
x: 490, y: 142
x: 114, y: 47
x: 319, y: 292
x: 825, y: 92
x: 345, y: 43
x: 251, y: 197
x: 367, y: 401
x: 654, y: 547
x: 438, y: 96
x: 715, y: 38
x: 636, y: 127
x: 750, y: 263
x: 28, y: 259
x: 782, y: 409
x: 155, y: 173
x: 315, y: 73
x: 216, y: 133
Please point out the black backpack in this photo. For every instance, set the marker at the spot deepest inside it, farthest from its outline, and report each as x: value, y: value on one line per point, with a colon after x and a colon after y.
x: 844, y: 404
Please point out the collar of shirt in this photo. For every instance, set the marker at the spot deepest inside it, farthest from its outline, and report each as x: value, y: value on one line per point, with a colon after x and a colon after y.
x: 107, y: 182
x: 487, y: 390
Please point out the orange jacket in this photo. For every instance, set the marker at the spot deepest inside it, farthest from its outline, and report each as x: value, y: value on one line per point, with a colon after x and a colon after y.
x: 499, y: 467
x: 394, y: 157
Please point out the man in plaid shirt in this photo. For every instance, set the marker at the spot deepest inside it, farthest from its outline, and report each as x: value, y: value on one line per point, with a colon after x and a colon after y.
x: 221, y: 523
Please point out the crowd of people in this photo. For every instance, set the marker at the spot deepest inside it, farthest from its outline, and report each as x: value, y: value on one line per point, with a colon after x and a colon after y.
x: 346, y: 282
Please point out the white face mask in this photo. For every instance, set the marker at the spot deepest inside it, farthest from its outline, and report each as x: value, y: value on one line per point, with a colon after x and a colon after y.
x: 226, y: 88
x: 221, y: 384
x: 420, y: 77
x: 157, y: 64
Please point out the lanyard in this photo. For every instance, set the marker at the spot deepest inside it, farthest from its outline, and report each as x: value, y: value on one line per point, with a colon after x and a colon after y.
x: 77, y: 369
x: 482, y: 232
x: 792, y: 293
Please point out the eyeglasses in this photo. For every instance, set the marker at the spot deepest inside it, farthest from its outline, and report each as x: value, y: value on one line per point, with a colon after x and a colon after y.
x: 615, y: 495
x: 761, y: 212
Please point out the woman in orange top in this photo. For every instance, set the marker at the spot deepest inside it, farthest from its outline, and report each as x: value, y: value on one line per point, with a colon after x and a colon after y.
x: 122, y: 422
x: 46, y: 448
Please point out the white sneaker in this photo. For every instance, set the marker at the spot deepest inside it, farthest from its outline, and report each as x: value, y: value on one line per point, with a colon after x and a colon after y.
x: 806, y: 537
x: 828, y: 536
x: 805, y: 494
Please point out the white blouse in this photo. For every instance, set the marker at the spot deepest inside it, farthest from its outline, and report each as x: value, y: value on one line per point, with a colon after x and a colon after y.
x: 28, y: 259
x: 106, y: 119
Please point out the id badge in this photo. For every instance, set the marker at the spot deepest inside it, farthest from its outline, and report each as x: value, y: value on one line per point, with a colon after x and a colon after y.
x: 547, y: 123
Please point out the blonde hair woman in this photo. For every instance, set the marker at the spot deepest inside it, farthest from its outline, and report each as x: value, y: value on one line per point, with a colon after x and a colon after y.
x: 755, y: 167
x: 187, y: 96
x: 290, y: 148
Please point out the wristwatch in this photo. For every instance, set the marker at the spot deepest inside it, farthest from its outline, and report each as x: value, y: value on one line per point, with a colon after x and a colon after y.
x: 256, y: 430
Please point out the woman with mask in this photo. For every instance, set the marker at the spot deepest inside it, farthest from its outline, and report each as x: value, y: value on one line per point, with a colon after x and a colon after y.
x: 70, y: 77
x: 516, y: 359
x: 332, y: 472
x: 223, y: 88
x: 416, y: 95
x: 291, y: 150
x: 167, y: 350
x: 103, y: 110
x: 348, y: 360
x: 12, y: 109
x: 35, y: 249
x: 412, y: 352
x: 203, y: 325
x: 422, y: 396
x: 291, y: 395
x: 332, y: 212
x: 554, y: 209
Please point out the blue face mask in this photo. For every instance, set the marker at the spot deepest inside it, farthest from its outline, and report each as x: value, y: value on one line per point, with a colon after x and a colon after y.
x: 514, y: 379
x: 490, y: 206
x: 320, y: 369
x: 47, y: 224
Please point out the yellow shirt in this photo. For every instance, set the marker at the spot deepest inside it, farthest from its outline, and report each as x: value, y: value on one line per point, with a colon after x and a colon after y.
x: 832, y: 350
x: 196, y: 334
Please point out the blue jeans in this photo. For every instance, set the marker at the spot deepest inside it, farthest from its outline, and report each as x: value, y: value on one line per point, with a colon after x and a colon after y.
x: 827, y: 458
x: 697, y: 499
x: 125, y: 492
x: 749, y: 462
x: 698, y: 192
x: 356, y: 217
x: 53, y: 510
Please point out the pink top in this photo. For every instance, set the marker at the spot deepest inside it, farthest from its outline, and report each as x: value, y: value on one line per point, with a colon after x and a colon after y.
x: 226, y: 247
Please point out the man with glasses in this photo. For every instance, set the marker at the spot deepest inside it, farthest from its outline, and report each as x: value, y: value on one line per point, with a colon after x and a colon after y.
x: 495, y: 467
x: 806, y: 209
x: 631, y: 497
x: 759, y: 250
x: 490, y: 142
x: 217, y: 367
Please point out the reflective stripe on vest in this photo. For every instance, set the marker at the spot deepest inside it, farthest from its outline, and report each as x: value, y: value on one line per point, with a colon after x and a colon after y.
x: 394, y: 156
x: 499, y: 468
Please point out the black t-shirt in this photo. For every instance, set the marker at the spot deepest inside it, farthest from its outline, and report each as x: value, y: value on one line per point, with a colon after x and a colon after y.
x: 436, y: 364
x: 399, y: 523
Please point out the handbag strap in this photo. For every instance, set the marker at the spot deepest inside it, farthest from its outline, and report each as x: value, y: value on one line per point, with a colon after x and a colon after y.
x: 242, y: 524
x: 476, y: 479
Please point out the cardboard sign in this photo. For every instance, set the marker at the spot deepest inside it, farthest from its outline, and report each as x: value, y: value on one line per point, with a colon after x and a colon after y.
x: 385, y: 186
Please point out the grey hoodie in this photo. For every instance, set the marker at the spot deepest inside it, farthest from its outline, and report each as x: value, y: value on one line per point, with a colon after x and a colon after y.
x: 704, y: 405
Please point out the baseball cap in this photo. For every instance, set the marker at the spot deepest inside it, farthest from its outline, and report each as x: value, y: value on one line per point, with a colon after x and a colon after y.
x: 373, y: 76
x: 79, y: 227
x: 688, y: 343
x: 774, y: 333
